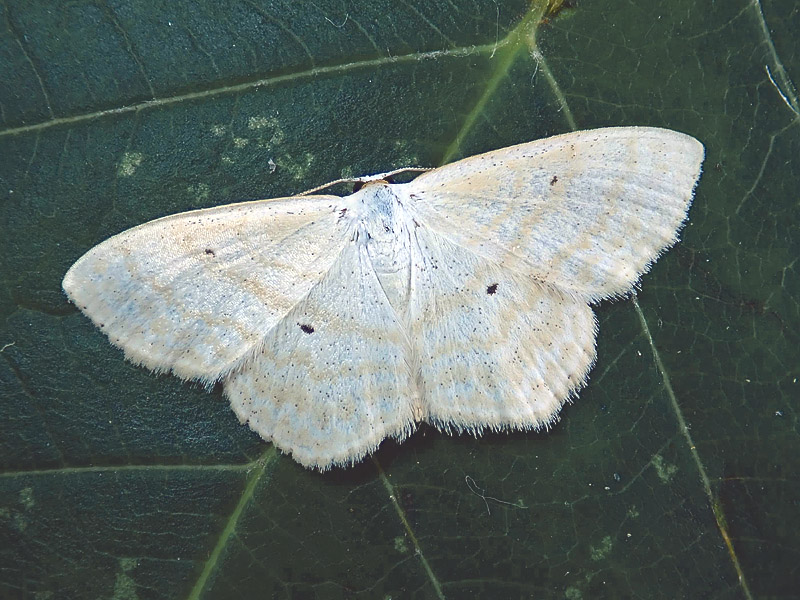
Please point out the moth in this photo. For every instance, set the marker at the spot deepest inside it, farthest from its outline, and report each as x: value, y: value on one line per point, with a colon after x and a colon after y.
x: 461, y: 299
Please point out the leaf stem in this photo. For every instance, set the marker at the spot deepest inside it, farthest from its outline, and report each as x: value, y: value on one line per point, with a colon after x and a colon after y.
x: 401, y: 513
x: 716, y: 507
x: 267, y: 458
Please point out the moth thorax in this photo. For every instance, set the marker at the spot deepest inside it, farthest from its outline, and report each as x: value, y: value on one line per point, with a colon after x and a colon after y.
x: 387, y: 241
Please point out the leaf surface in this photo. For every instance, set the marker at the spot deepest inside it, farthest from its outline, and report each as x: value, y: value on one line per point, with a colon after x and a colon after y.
x: 674, y: 473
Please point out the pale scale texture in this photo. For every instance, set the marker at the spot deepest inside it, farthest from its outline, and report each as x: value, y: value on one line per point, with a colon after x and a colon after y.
x: 460, y: 299
x: 586, y: 211
x: 508, y: 359
x: 192, y: 293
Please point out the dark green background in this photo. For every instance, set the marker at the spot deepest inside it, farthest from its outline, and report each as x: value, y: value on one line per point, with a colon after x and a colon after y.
x: 117, y: 483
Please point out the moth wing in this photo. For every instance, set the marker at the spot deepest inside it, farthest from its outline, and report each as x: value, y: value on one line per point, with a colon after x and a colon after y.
x: 587, y: 211
x: 332, y: 379
x: 195, y: 292
x: 495, y: 349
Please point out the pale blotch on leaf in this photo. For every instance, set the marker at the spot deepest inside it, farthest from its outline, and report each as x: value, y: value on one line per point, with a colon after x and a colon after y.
x: 602, y: 550
x: 664, y: 470
x: 129, y: 163
x: 240, y: 143
x: 20, y: 517
x: 461, y: 299
x: 573, y: 593
x: 125, y: 587
x: 219, y: 130
x: 297, y: 167
x: 262, y: 122
x: 199, y: 191
x: 26, y: 498
x: 20, y: 520
x: 405, y: 156
x: 269, y: 131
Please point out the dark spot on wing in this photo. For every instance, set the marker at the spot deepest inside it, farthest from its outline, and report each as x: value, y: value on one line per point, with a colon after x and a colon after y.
x: 210, y: 252
x: 306, y: 328
x: 554, y: 180
x: 491, y: 289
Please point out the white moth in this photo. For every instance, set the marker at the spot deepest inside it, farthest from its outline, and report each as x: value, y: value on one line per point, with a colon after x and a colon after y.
x: 460, y: 299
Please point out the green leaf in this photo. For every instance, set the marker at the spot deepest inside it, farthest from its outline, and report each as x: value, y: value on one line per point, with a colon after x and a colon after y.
x: 673, y: 475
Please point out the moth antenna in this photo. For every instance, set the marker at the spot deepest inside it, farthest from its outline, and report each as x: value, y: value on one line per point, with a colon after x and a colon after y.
x: 366, y: 178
